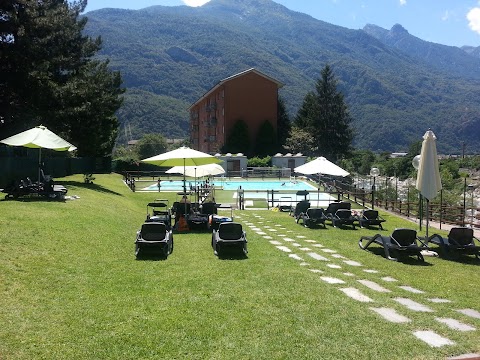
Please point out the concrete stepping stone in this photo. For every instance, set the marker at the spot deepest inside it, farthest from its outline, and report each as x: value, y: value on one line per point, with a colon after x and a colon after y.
x: 388, y: 279
x: 355, y: 294
x: 275, y: 242
x: 432, y: 338
x: 267, y: 237
x: 272, y: 230
x: 305, y: 249
x: 413, y: 305
x: 296, y: 244
x: 370, y: 271
x: 332, y: 280
x: 318, y: 245
x: 284, y: 249
x: 310, y: 241
x: 352, y: 263
x: 334, y: 266
x: 261, y: 233
x: 373, y: 286
x: 304, y: 264
x: 348, y: 274
x: 328, y: 251
x: 301, y: 237
x: 317, y: 271
x: 391, y: 315
x: 439, y: 301
x: 295, y: 256
x: 455, y: 324
x: 411, y: 289
x: 288, y: 239
x: 317, y: 256
x: 338, y: 256
x: 470, y: 312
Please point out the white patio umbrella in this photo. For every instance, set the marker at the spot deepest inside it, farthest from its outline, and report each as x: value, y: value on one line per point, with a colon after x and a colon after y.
x: 40, y: 138
x: 197, y: 171
x: 183, y: 156
x: 428, y: 175
x: 321, y: 166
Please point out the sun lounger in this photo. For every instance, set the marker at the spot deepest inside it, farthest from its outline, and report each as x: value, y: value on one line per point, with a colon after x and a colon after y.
x: 370, y: 218
x: 229, y: 235
x: 401, y: 241
x: 312, y: 217
x: 154, y: 237
x: 460, y: 240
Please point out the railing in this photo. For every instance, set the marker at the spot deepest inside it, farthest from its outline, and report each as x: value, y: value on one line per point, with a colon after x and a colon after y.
x: 438, y: 210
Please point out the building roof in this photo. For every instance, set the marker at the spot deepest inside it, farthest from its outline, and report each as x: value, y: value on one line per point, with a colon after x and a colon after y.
x: 221, y: 82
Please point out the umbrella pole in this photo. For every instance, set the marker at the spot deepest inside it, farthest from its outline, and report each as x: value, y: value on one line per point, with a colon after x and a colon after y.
x: 428, y: 201
x: 184, y: 190
x: 39, y: 163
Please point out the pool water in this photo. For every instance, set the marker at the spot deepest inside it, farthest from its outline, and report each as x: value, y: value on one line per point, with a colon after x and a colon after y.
x: 247, y: 185
x: 265, y: 185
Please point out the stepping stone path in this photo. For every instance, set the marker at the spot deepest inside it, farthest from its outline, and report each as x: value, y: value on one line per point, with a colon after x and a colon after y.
x: 328, y: 263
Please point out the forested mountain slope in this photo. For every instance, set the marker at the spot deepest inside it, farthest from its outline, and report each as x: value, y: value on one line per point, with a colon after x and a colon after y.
x: 170, y: 56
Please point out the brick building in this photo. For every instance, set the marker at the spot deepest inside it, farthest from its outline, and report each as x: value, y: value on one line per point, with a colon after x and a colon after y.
x: 250, y: 96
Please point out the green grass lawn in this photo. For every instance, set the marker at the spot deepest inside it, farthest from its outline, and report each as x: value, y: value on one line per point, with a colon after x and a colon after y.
x: 70, y: 288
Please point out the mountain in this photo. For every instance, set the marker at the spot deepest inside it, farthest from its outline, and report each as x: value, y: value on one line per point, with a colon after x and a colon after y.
x: 170, y: 56
x: 449, y: 59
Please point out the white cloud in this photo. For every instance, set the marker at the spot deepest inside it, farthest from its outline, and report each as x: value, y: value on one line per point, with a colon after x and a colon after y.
x: 473, y: 17
x: 403, y: 2
x: 195, y: 3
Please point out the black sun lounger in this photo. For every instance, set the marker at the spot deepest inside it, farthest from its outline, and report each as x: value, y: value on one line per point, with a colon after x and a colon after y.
x: 312, y: 217
x: 460, y: 240
x: 403, y: 241
x: 229, y: 235
x: 154, y: 238
x: 370, y: 218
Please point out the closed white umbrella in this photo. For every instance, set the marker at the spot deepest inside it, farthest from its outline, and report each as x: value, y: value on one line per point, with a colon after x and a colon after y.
x: 321, y: 166
x: 39, y: 137
x: 429, y: 182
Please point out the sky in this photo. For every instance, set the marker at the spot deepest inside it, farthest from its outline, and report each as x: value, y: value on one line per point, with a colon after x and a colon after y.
x: 448, y: 22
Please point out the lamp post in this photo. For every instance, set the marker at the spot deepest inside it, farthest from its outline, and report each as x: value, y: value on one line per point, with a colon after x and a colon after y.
x: 416, y: 165
x: 374, y: 172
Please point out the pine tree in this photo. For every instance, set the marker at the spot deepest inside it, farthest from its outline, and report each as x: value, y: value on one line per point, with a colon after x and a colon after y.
x: 325, y: 116
x: 52, y: 78
x: 332, y: 130
x: 238, y: 140
x: 266, y: 140
x: 283, y: 125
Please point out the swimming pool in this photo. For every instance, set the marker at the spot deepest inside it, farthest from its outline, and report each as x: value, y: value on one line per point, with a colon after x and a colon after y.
x: 264, y: 185
x: 247, y: 185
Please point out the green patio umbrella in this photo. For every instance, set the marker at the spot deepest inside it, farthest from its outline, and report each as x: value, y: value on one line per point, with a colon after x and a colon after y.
x: 39, y: 138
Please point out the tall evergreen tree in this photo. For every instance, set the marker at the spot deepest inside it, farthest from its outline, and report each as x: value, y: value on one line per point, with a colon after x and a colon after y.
x: 325, y: 115
x: 238, y: 140
x: 52, y: 78
x: 283, y: 125
x: 266, y: 140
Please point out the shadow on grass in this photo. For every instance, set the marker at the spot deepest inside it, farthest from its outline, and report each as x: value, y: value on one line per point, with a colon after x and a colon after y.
x: 34, y: 198
x: 232, y: 255
x: 151, y: 257
x: 401, y: 258
x: 94, y: 187
x: 459, y: 258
